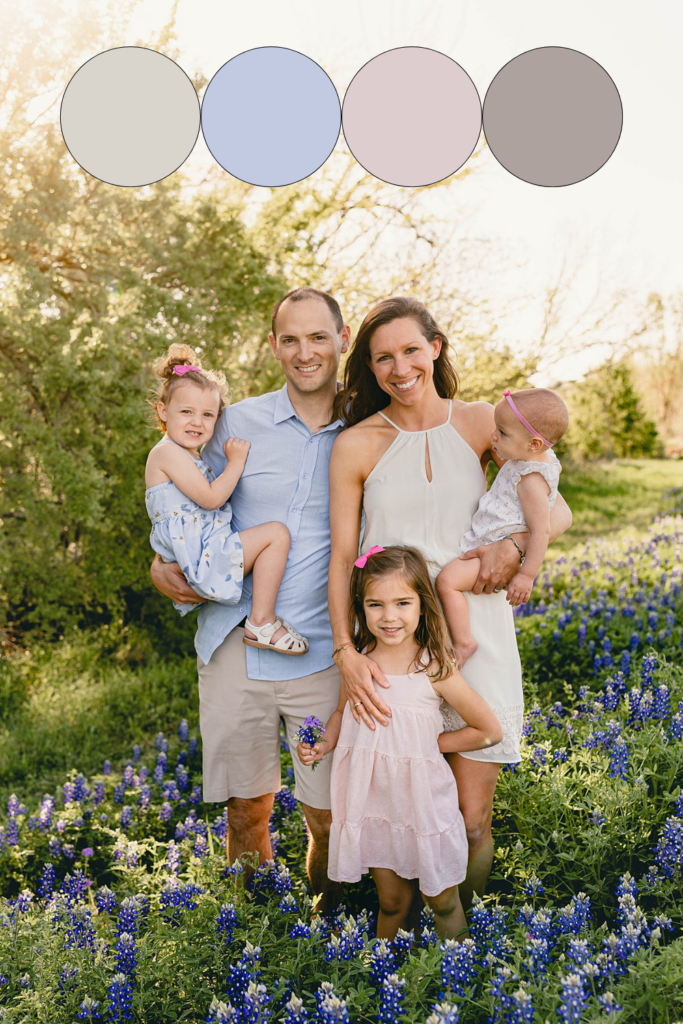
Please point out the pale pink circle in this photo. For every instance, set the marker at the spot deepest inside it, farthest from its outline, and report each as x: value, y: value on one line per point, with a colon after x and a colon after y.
x: 411, y: 116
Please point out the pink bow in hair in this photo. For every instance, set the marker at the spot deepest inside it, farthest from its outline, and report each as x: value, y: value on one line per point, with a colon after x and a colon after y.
x: 182, y: 370
x: 374, y: 550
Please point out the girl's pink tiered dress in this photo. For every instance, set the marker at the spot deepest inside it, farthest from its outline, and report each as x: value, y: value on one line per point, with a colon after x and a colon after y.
x: 394, y: 798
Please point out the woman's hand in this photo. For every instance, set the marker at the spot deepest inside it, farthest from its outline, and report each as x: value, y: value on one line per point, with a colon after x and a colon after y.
x: 168, y: 578
x: 499, y: 563
x: 359, y: 674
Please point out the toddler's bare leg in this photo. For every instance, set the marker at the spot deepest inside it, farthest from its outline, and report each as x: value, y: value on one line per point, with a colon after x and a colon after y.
x: 459, y: 576
x: 265, y: 550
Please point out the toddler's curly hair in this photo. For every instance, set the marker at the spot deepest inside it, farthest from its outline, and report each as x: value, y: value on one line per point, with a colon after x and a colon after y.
x: 163, y: 367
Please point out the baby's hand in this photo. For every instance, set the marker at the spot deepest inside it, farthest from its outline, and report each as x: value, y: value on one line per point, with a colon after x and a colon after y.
x: 236, y: 450
x: 519, y: 589
x: 309, y: 755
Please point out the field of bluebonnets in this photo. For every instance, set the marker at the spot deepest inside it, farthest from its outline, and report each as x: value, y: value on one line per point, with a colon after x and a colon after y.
x: 120, y: 904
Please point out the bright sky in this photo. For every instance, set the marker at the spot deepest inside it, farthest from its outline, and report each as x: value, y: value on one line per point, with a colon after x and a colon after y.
x: 628, y: 216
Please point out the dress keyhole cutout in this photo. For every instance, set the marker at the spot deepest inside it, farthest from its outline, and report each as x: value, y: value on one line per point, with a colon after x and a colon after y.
x: 428, y: 461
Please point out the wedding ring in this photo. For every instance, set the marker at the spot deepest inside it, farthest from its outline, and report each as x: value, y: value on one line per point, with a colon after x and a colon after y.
x: 497, y: 590
x: 357, y: 704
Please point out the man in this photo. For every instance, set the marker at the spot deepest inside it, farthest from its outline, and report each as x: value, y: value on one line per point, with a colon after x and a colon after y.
x: 244, y: 691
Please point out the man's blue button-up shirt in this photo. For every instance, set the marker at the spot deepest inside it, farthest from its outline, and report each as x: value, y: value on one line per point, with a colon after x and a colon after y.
x: 286, y: 479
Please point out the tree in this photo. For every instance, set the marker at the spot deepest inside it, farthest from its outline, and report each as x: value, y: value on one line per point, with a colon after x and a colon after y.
x: 606, y: 417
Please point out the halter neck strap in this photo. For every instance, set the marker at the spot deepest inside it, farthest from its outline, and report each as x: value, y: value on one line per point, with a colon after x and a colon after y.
x: 401, y: 431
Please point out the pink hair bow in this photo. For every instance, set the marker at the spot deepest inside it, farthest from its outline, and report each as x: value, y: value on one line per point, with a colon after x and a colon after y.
x: 182, y: 370
x: 374, y: 550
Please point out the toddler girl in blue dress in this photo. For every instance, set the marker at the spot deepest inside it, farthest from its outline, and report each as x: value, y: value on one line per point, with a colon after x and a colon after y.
x: 190, y: 512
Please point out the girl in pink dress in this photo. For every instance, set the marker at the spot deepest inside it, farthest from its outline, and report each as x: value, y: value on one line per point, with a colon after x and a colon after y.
x: 394, y: 799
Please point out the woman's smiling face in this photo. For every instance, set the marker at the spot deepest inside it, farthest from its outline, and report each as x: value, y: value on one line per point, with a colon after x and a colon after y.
x: 402, y: 360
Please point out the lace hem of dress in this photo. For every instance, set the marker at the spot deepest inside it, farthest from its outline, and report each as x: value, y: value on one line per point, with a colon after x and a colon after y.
x: 510, y: 717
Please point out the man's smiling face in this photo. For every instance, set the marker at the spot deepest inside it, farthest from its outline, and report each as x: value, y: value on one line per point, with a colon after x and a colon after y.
x: 308, y: 344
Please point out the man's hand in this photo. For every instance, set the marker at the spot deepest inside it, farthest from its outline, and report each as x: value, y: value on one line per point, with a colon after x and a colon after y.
x: 358, y: 673
x: 499, y: 563
x: 168, y: 578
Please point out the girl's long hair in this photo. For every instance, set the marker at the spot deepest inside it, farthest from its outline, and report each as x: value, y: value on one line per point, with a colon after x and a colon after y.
x: 431, y: 634
x: 361, y: 395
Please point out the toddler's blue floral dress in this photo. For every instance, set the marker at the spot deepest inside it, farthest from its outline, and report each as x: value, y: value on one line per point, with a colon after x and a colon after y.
x: 200, y: 540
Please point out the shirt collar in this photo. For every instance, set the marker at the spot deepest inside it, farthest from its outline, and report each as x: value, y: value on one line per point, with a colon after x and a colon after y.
x: 284, y: 410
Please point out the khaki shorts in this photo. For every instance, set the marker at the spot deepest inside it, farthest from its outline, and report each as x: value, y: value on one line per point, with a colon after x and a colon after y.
x: 239, y: 719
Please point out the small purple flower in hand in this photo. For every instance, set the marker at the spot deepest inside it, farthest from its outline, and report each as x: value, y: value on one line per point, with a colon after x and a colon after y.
x: 310, y: 733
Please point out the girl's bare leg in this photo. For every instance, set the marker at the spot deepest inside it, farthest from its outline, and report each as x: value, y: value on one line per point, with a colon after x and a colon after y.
x: 476, y: 787
x: 265, y: 550
x: 459, y: 576
x: 449, y: 917
x: 395, y: 897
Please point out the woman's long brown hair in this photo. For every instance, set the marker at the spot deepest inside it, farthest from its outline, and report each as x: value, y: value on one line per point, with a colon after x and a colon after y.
x: 361, y: 395
x: 431, y: 634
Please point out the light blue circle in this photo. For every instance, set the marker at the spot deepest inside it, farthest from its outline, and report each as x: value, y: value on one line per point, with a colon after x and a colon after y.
x: 271, y: 116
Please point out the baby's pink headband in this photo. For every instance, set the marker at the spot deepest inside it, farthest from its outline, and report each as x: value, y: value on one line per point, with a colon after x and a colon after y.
x: 521, y: 419
x: 182, y: 370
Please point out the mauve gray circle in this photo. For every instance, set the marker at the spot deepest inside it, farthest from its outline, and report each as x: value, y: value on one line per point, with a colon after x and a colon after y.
x: 552, y: 116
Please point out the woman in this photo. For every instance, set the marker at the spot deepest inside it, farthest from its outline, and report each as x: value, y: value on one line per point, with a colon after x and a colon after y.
x: 413, y: 462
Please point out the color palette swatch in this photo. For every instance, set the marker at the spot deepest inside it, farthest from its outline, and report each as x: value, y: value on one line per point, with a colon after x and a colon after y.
x: 411, y: 116
x: 271, y: 116
x: 130, y: 116
x: 552, y: 116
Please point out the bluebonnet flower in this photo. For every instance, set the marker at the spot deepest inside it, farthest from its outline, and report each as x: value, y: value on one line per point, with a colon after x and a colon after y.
x: 634, y: 641
x: 98, y: 795
x: 54, y: 847
x: 128, y: 916
x: 145, y: 798
x: 161, y: 743
x: 539, y: 757
x: 597, y: 818
x: 160, y: 767
x: 618, y: 759
x: 106, y: 770
x: 128, y: 777
x: 226, y: 922
x: 286, y: 799
x: 165, y: 811
x: 68, y: 977
x: 255, y: 1004
x: 579, y: 951
x: 74, y: 887
x: 126, y: 954
x: 183, y: 730
x: 458, y: 966
x: 136, y: 753
x: 402, y: 944
x: 201, y: 847
x: 669, y: 849
x: 119, y: 792
x: 288, y: 905
x: 192, y: 747
x: 338, y: 949
x: 534, y: 886
x: 106, y: 900
x: 25, y: 980
x: 300, y: 931
x: 182, y: 777
x: 625, y: 663
x: 581, y: 635
x: 222, y: 1013
x: 177, y: 897
x: 443, y: 1013
x: 120, y: 999
x: 271, y: 877
x: 609, y: 1003
x: 310, y: 732
x: 195, y: 796
x: 574, y: 998
x: 127, y: 816
x: 295, y: 1012
x: 48, y: 880
x: 391, y: 997
x: 560, y: 754
x: 330, y: 1007
x: 68, y: 791
x: 89, y: 1010
x: 648, y: 668
x: 381, y: 962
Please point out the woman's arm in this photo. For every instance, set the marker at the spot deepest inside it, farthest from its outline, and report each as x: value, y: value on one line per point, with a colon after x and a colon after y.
x: 483, y: 728
x: 346, y: 500
x: 188, y: 478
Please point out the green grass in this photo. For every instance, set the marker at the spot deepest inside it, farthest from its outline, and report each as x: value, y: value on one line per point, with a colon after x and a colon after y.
x: 608, y: 496
x: 77, y: 702
x: 91, y: 696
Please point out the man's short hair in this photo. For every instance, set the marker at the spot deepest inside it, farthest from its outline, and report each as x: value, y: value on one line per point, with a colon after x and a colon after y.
x: 299, y: 294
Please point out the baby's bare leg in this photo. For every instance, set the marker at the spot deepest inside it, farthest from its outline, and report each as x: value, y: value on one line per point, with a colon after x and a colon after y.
x: 453, y: 581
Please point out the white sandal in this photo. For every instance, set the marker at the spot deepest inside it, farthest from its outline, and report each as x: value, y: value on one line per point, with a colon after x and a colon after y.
x: 290, y: 642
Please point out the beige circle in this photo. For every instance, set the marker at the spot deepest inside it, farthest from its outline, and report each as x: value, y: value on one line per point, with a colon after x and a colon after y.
x: 130, y: 116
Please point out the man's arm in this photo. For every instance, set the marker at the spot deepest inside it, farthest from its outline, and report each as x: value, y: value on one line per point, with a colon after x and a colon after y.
x: 500, y: 561
x: 169, y: 579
